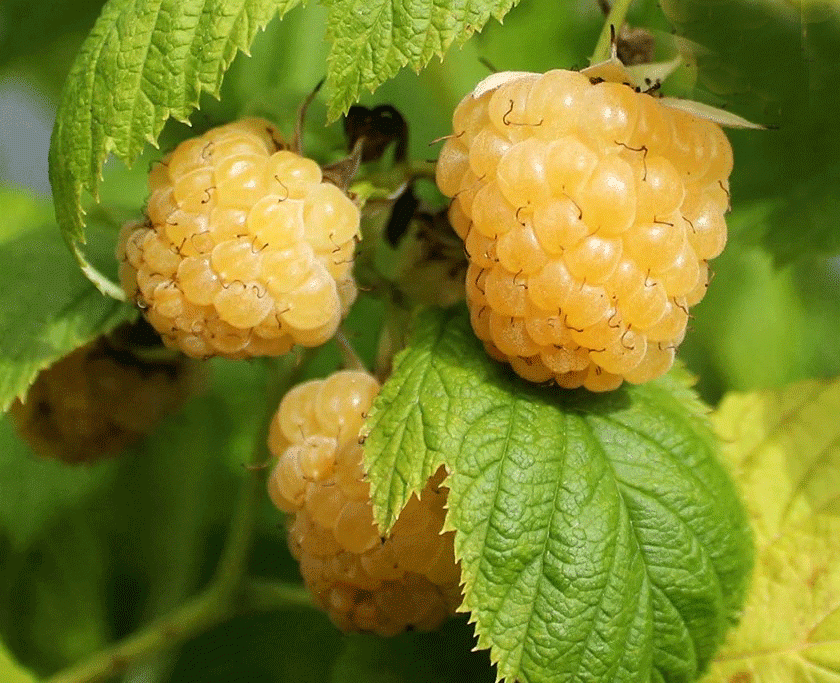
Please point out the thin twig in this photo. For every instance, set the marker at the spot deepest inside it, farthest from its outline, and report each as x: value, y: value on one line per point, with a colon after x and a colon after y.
x: 194, y: 617
x: 349, y: 358
x: 185, y: 622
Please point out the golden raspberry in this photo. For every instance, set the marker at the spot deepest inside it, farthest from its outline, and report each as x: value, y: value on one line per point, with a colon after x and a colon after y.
x: 100, y: 398
x: 589, y: 212
x: 246, y: 250
x: 365, y: 582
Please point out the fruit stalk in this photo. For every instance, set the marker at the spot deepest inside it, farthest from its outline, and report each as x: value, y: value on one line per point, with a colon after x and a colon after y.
x: 232, y: 566
x: 615, y: 18
x: 189, y: 620
x: 349, y: 357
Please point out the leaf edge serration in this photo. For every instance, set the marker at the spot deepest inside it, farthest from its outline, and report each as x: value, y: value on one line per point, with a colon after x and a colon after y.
x: 85, y: 131
x: 443, y: 28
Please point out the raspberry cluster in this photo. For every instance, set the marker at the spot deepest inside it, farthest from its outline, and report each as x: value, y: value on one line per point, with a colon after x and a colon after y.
x: 589, y: 211
x: 365, y: 582
x: 246, y: 250
x: 97, y: 400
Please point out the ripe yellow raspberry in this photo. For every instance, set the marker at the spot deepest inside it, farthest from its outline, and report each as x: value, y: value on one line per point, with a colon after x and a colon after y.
x: 365, y: 582
x: 100, y: 398
x: 589, y: 212
x: 246, y: 250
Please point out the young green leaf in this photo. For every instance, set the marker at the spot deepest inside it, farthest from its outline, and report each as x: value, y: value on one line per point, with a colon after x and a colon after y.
x: 47, y: 307
x: 11, y: 671
x: 599, y: 537
x: 144, y: 62
x: 372, y: 40
x: 784, y: 449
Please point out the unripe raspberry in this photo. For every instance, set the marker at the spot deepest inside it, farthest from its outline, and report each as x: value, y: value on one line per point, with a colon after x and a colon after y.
x: 589, y: 211
x: 365, y: 582
x: 246, y: 250
x: 432, y: 262
x: 102, y: 397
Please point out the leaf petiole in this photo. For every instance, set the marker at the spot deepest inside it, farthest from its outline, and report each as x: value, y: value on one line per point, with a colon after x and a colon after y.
x: 349, y: 358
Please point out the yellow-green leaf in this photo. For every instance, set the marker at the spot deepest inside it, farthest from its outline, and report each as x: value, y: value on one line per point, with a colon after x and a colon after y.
x: 372, y: 40
x: 784, y: 448
x: 11, y: 671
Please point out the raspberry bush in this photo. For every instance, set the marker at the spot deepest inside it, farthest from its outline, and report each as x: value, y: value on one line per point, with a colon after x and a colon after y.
x: 512, y: 366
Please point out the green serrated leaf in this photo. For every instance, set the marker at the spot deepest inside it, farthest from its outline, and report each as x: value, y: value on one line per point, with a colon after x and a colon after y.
x: 372, y: 40
x: 47, y: 307
x: 11, y: 671
x: 399, y: 458
x: 784, y: 450
x: 143, y: 62
x: 599, y: 537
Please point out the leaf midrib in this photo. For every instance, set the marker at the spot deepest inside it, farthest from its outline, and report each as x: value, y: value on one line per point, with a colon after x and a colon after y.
x: 544, y: 549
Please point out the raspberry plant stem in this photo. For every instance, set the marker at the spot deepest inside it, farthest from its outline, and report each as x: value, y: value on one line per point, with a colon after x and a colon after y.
x: 191, y: 619
x: 268, y: 596
x: 281, y: 374
x: 616, y: 18
x: 230, y: 592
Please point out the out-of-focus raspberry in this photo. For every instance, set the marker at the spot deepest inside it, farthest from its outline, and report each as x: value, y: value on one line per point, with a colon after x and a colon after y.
x: 102, y: 397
